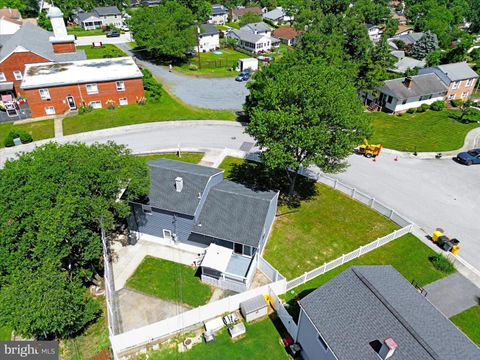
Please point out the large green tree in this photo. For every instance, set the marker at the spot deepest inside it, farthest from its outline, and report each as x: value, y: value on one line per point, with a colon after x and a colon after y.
x: 199, y: 8
x: 249, y: 18
x: 166, y: 31
x: 52, y: 204
x: 303, y: 113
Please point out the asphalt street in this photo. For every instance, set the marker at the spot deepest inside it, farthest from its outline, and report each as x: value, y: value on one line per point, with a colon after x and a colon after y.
x: 432, y: 193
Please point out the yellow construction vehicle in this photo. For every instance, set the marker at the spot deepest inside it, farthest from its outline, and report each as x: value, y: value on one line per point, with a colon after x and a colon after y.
x: 444, y: 242
x: 369, y: 150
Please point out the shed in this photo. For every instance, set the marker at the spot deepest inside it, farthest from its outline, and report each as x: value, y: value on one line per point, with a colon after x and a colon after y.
x: 247, y: 64
x: 254, y: 308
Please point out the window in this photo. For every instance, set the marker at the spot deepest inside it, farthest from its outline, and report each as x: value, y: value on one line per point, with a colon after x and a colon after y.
x: 17, y: 75
x: 464, y: 95
x: 404, y: 102
x: 324, y: 344
x: 96, y: 104
x: 389, y: 99
x: 451, y: 96
x: 167, y: 234
x: 92, y: 89
x: 469, y: 83
x: 50, y: 110
x: 120, y: 86
x: 2, y: 77
x: 123, y: 101
x: 455, y: 85
x: 44, y: 94
x: 238, y: 248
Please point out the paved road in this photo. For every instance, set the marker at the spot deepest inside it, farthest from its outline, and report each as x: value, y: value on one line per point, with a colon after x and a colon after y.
x: 209, y: 93
x: 88, y: 40
x: 432, y: 193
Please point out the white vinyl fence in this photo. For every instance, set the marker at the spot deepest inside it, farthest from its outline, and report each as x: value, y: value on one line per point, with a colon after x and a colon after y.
x: 347, y: 257
x: 112, y: 314
x: 269, y: 271
x: 284, y: 316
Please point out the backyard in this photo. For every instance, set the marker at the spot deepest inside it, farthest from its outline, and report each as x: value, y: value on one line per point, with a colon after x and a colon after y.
x: 428, y: 131
x: 469, y: 322
x: 39, y: 130
x: 170, y: 281
x: 189, y: 157
x: 106, y: 51
x: 213, y: 64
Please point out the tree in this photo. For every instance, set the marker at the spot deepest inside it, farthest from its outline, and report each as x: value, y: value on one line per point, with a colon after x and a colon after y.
x: 303, y: 113
x: 424, y: 46
x: 434, y: 58
x: 474, y: 16
x: 44, y: 21
x: 199, y: 8
x: 53, y: 202
x: 249, y: 18
x: 166, y: 31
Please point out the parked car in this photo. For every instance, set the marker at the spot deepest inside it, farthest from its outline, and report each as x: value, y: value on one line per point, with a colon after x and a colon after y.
x: 469, y: 157
x: 113, y: 33
x: 243, y: 76
x: 124, y: 28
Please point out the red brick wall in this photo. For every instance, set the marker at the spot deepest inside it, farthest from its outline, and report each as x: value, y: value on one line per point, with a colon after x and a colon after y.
x: 461, y: 89
x: 60, y: 48
x: 106, y: 91
x: 17, y: 61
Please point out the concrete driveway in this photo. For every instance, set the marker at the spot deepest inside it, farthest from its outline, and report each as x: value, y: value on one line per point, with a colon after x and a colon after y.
x: 209, y: 93
x: 88, y: 40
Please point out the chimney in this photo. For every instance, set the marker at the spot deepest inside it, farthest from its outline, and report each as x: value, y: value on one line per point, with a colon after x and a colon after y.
x: 408, y: 82
x: 61, y: 41
x: 178, y: 184
x: 388, y: 348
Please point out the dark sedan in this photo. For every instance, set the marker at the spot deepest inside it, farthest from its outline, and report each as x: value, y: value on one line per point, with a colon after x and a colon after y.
x: 469, y: 157
x: 243, y: 76
x: 113, y: 33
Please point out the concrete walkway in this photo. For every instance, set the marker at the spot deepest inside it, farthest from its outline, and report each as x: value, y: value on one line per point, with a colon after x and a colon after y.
x: 58, y: 125
x: 213, y: 158
x: 453, y: 294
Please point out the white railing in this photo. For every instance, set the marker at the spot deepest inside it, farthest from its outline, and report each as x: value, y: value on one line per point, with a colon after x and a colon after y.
x: 348, y: 257
x: 112, y: 318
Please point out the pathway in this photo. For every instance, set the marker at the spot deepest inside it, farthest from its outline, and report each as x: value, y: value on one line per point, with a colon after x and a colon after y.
x: 453, y: 294
x: 58, y: 125
x: 209, y: 93
x: 213, y: 158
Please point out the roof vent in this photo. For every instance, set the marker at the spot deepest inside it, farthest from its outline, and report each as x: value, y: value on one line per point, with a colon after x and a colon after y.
x: 388, y: 348
x: 179, y: 184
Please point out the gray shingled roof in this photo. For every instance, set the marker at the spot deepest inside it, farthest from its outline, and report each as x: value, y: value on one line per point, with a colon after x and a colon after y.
x: 107, y: 10
x: 458, y: 71
x: 82, y: 16
x: 274, y: 14
x: 36, y: 40
x: 368, y: 303
x: 208, y: 29
x: 256, y: 27
x: 247, y: 35
x: 234, y: 212
x: 163, y: 194
x: 426, y: 84
x: 218, y: 9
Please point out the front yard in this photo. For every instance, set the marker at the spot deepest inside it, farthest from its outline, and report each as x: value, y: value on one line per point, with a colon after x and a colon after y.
x: 79, y: 31
x: 39, y: 130
x: 469, y: 322
x: 213, y: 64
x: 428, y: 131
x: 169, y: 281
x: 106, y: 51
x: 190, y: 157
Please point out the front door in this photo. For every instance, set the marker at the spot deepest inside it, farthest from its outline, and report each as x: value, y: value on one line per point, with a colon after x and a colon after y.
x: 238, y: 248
x: 71, y: 103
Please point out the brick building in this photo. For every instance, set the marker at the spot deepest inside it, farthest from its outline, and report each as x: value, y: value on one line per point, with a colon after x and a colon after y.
x: 55, y: 88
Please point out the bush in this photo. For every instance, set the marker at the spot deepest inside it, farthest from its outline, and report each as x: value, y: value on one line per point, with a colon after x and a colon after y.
x: 423, y: 108
x: 153, y: 89
x: 13, y: 134
x: 469, y: 103
x: 193, y: 67
x: 412, y: 110
x: 84, y: 109
x: 456, y: 103
x: 437, y: 105
x: 442, y: 264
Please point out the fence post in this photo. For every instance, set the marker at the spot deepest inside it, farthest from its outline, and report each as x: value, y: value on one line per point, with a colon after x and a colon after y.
x: 353, y: 193
x: 343, y: 259
x: 391, y: 214
x: 360, y: 251
x: 335, y: 184
x: 304, y: 277
x: 372, y: 202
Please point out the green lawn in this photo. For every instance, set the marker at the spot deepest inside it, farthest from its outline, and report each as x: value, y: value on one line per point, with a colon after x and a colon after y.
x: 107, y: 51
x: 5, y: 333
x: 469, y: 322
x: 77, y: 30
x: 261, y: 341
x: 234, y: 25
x: 39, y: 130
x: 213, y: 64
x: 169, y: 281
x: 428, y: 131
x: 407, y: 254
x: 190, y: 157
x: 168, y: 108
x: 228, y: 164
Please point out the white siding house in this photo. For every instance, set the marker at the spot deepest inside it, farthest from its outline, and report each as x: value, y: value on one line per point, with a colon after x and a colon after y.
x: 98, y: 17
x: 219, y: 15
x: 208, y: 38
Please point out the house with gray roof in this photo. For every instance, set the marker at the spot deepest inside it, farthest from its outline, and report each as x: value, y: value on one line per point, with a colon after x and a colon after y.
x: 219, y: 15
x: 247, y: 38
x: 277, y: 16
x: 372, y: 313
x: 259, y: 28
x: 98, y: 17
x: 192, y: 205
x: 405, y: 63
x: 208, y: 38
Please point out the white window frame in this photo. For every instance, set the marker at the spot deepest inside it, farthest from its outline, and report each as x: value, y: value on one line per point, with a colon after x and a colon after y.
x: 44, y: 94
x: 90, y: 92
x: 122, y: 101
x: 169, y: 232
x: 451, y: 97
x: 122, y: 85
x: 464, y: 95
x: 2, y: 77
x: 50, y: 110
x: 456, y: 85
x: 17, y: 74
x: 91, y: 103
x: 469, y: 83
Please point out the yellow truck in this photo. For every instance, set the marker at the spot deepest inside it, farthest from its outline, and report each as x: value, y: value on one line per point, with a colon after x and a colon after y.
x: 369, y: 150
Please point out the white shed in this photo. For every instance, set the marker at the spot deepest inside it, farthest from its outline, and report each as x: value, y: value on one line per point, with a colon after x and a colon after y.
x: 254, y: 308
x: 247, y: 64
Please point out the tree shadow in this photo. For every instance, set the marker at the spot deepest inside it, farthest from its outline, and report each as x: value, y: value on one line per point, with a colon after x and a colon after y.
x: 293, y: 307
x: 464, y: 119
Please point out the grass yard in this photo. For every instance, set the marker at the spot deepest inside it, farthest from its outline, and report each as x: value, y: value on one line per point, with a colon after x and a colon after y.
x: 407, y: 254
x: 5, y: 333
x: 213, y: 64
x: 79, y: 31
x: 39, y: 130
x: 320, y: 230
x: 169, y: 281
x: 469, y: 322
x: 261, y: 341
x: 168, y: 108
x: 228, y: 164
x: 189, y: 157
x: 428, y: 131
x: 92, y: 341
x: 107, y: 51
x: 234, y: 25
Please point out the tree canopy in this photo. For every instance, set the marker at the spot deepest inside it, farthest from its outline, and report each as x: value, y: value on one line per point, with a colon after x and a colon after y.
x: 52, y: 203
x: 249, y: 18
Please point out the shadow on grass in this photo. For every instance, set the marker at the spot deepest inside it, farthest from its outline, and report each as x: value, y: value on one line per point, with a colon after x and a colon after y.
x: 293, y: 308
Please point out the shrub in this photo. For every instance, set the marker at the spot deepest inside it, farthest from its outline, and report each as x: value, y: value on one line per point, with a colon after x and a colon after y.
x: 412, y: 110
x: 24, y: 137
x: 469, y: 103
x: 423, y: 108
x: 153, y: 89
x: 442, y: 264
x: 456, y: 103
x: 193, y: 67
x: 110, y: 104
x: 437, y: 105
x: 84, y: 109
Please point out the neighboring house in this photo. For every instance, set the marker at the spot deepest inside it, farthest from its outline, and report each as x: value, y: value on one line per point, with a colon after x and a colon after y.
x: 372, y: 313
x: 10, y: 13
x: 399, y: 95
x: 98, y: 17
x: 408, y: 39
x: 374, y: 32
x: 9, y: 26
x: 458, y: 77
x: 405, y: 63
x: 57, y: 87
x: 286, y: 35
x: 148, y: 3
x: 208, y: 38
x: 237, y: 12
x: 259, y: 28
x: 277, y: 16
x: 403, y: 30
x: 253, y: 42
x: 219, y: 15
x: 193, y: 205
x: 400, y: 16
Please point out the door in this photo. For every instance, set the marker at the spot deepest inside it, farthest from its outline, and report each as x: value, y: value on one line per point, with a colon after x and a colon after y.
x: 71, y: 103
x: 238, y: 248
